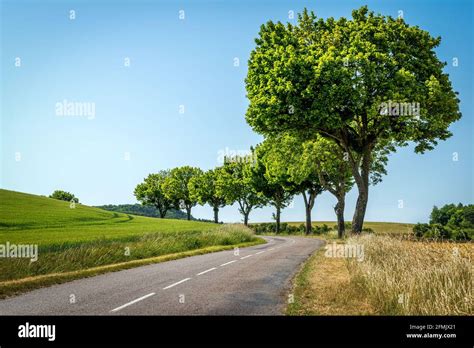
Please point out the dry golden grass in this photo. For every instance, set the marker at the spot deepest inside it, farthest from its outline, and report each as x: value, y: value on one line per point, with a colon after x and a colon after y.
x: 414, y: 278
x: 395, y: 277
x: 323, y: 287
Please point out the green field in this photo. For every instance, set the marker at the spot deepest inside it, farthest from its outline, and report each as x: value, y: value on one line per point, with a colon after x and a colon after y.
x: 79, y: 238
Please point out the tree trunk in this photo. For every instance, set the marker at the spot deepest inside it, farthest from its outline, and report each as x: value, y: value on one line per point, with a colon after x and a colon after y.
x: 309, y: 229
x: 246, y: 219
x: 339, y: 209
x: 216, y: 215
x: 277, y: 218
x: 188, y: 212
x: 359, y: 213
x: 162, y: 211
x: 362, y: 181
x: 308, y: 214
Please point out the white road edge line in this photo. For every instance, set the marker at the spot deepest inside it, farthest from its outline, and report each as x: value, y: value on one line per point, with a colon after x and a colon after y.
x: 174, y: 284
x: 228, y: 263
x: 132, y: 302
x: 246, y: 256
x: 207, y: 270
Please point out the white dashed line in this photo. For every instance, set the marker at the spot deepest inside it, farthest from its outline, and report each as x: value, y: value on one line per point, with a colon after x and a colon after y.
x: 228, y: 263
x: 207, y: 270
x: 271, y: 249
x: 246, y: 256
x: 132, y: 302
x: 174, y: 284
x: 260, y: 252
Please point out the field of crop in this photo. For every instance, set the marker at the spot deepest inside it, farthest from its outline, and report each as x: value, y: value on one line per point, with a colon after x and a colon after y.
x: 402, y: 277
x: 81, y: 237
x: 395, y: 276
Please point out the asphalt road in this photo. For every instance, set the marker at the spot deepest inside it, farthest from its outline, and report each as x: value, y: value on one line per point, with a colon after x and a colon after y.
x: 256, y: 281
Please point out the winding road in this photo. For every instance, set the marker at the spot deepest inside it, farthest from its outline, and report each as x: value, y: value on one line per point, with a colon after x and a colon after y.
x: 250, y: 281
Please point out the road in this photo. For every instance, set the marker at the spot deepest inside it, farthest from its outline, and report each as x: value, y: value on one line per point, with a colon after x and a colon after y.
x: 253, y: 281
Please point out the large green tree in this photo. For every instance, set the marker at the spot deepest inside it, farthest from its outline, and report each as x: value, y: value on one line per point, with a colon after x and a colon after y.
x: 370, y: 83
x: 150, y: 192
x: 284, y: 159
x: 176, y: 189
x: 202, y: 188
x: 324, y: 157
x: 278, y: 193
x: 236, y: 185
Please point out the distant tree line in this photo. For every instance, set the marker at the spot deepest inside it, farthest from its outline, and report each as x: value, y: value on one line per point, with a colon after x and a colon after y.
x: 448, y: 222
x: 64, y: 196
x: 143, y: 210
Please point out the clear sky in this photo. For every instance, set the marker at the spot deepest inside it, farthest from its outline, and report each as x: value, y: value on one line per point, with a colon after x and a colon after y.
x: 188, y: 65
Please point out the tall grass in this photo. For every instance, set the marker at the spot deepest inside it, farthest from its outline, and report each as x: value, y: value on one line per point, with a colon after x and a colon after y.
x: 414, y: 278
x: 64, y: 257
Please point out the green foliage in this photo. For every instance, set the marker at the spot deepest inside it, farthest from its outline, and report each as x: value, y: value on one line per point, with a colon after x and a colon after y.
x: 270, y: 227
x: 286, y: 164
x: 333, y: 77
x: 143, y: 210
x: 420, y: 229
x: 64, y: 196
x: 235, y: 184
x: 448, y: 222
x: 444, y: 214
x: 323, y: 229
x: 202, y: 188
x: 176, y: 188
x: 326, y: 158
x: 150, y: 192
x: 276, y: 192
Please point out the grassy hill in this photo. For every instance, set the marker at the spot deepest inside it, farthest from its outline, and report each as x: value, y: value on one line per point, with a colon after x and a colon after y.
x: 26, y: 218
x: 22, y: 211
x: 79, y: 238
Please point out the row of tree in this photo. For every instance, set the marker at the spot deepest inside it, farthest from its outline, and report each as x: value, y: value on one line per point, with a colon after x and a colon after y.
x: 271, y: 174
x: 333, y: 98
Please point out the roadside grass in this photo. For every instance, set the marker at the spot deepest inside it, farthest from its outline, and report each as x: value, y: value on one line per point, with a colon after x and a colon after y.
x: 81, y: 241
x: 18, y: 286
x: 323, y: 287
x: 58, y: 258
x: 396, y: 277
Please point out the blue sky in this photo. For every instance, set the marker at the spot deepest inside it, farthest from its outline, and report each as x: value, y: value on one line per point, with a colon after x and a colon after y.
x: 138, y: 126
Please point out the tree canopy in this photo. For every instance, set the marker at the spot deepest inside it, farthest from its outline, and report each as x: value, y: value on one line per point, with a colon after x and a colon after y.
x: 175, y: 188
x: 202, y: 188
x: 150, y: 192
x: 235, y: 184
x: 369, y: 83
